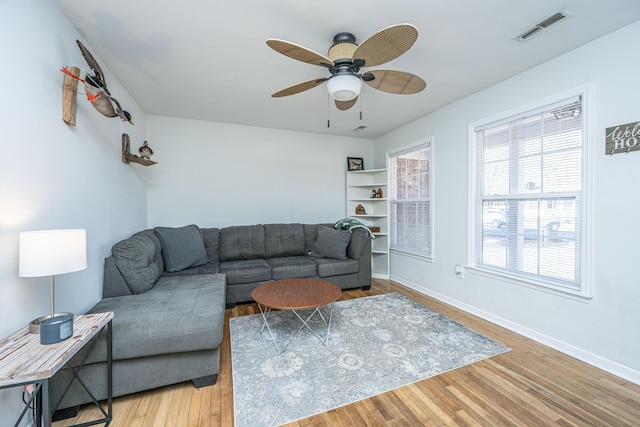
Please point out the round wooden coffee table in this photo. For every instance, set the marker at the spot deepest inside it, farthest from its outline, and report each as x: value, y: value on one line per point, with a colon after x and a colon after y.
x: 295, y: 295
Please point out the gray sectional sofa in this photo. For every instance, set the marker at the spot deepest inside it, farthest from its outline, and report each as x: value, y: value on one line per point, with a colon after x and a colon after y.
x: 169, y: 287
x: 251, y: 255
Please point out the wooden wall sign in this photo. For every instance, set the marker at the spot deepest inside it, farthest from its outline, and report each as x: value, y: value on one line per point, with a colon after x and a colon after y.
x: 622, y: 138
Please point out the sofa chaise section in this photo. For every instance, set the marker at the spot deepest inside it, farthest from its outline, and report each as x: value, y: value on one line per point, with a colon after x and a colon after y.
x: 165, y: 331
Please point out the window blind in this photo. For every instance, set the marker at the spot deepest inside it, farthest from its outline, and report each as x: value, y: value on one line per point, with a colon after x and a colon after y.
x: 411, y: 200
x: 528, y: 194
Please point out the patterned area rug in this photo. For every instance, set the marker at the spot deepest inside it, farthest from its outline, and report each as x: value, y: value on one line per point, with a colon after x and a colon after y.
x: 376, y: 344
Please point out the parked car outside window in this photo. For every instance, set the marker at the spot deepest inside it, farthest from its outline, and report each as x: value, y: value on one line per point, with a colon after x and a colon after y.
x: 494, y: 218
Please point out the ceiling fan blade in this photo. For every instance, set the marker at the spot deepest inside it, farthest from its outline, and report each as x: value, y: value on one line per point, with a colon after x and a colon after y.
x: 300, y: 87
x: 386, y: 44
x: 299, y: 53
x: 396, y: 82
x: 345, y: 105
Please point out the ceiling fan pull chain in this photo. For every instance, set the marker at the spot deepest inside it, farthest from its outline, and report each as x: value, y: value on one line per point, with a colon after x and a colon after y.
x: 328, y: 111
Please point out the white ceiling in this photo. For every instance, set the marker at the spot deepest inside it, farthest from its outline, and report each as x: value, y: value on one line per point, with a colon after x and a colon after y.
x: 208, y: 60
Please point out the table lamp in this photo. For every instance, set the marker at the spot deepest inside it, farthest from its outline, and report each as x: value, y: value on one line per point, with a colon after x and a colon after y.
x: 48, y: 253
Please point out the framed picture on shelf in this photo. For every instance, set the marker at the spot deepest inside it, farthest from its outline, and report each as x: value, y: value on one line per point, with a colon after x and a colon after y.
x: 355, y: 163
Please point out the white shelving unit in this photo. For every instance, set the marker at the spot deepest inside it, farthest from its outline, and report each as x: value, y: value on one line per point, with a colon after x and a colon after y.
x: 360, y: 185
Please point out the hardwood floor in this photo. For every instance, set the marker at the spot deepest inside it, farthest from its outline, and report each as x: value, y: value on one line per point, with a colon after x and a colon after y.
x: 532, y: 385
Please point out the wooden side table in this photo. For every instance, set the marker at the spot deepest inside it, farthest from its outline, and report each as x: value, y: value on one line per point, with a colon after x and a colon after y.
x: 23, y: 360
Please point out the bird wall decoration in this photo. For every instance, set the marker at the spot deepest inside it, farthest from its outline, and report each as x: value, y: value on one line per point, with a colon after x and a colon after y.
x: 96, y: 88
x: 145, y: 151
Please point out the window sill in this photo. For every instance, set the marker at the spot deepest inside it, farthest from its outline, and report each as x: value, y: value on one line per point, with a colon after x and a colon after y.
x: 540, y: 286
x: 411, y: 254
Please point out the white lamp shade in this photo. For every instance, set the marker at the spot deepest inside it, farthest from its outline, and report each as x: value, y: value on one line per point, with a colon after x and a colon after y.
x: 52, y: 252
x: 344, y: 87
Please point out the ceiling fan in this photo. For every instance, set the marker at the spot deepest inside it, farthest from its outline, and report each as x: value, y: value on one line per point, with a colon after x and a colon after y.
x: 345, y: 60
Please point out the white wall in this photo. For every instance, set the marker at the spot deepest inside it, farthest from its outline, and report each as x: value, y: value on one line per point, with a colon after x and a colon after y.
x: 604, y: 331
x: 218, y: 174
x: 53, y: 175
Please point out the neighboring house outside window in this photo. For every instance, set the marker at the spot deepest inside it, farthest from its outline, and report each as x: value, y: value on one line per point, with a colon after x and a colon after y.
x: 528, y: 205
x: 410, y: 199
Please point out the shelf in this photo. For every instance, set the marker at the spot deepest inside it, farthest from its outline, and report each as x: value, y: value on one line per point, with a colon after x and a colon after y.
x: 359, y: 186
x: 374, y: 184
x: 369, y: 171
x: 127, y: 157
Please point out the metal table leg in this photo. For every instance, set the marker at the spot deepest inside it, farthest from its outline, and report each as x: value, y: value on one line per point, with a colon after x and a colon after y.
x: 305, y: 323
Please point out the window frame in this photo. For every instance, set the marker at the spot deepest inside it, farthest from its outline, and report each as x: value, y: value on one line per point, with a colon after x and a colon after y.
x: 585, y: 291
x: 418, y: 145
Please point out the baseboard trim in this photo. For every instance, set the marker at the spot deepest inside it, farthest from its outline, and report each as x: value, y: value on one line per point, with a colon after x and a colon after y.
x: 600, y: 362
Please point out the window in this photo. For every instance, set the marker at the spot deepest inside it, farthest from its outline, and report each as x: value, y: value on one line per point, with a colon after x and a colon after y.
x: 410, y: 199
x: 528, y: 206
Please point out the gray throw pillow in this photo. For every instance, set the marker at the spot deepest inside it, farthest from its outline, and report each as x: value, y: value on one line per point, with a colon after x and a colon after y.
x: 331, y: 243
x: 182, y: 247
x: 139, y: 261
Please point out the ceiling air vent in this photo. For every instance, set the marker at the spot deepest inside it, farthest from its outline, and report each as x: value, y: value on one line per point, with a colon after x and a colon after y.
x: 541, y: 25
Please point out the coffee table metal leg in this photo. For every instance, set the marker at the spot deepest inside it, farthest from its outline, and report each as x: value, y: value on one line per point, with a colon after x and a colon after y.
x: 305, y: 323
x: 329, y: 323
x: 265, y: 314
x: 324, y: 341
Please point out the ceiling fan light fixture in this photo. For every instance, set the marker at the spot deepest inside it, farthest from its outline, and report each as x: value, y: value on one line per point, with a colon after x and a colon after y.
x: 344, y: 87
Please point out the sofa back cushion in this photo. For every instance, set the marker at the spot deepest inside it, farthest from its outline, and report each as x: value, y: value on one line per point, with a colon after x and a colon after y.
x: 242, y: 242
x: 212, y: 243
x: 359, y: 240
x: 139, y: 260
x: 283, y: 240
x: 182, y: 247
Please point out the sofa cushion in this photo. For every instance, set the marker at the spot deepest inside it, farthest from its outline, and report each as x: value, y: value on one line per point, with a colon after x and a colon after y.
x: 209, y: 268
x: 359, y: 240
x: 283, y: 240
x: 211, y: 238
x: 242, y: 242
x: 180, y: 314
x: 331, y: 243
x: 292, y: 267
x: 139, y: 260
x: 245, y: 271
x: 182, y: 247
x: 333, y: 267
